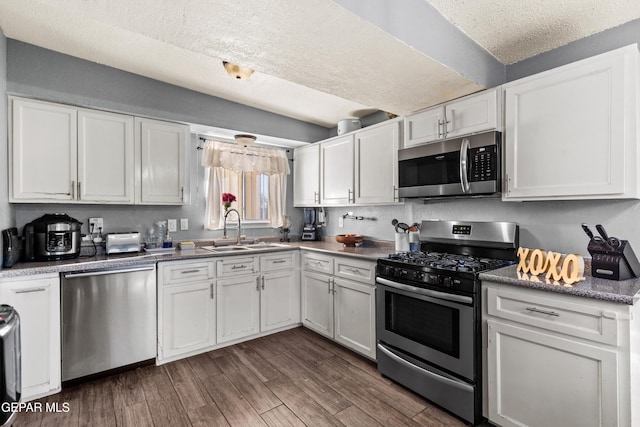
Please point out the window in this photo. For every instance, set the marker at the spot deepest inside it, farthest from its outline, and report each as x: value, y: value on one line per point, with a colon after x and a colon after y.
x: 256, y: 176
x: 252, y: 194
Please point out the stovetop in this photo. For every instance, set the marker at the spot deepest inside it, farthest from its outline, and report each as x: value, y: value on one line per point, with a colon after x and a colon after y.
x: 446, y: 272
x: 446, y: 262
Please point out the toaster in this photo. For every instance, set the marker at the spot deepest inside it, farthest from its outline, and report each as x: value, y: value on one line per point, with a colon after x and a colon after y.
x: 118, y: 243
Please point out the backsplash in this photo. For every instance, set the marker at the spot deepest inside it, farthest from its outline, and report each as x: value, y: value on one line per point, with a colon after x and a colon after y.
x: 549, y: 225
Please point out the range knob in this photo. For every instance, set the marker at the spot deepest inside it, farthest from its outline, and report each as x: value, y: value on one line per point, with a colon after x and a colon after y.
x: 446, y: 281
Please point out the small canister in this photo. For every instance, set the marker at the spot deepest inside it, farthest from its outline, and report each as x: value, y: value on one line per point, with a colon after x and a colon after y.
x: 402, y: 242
x: 414, y: 241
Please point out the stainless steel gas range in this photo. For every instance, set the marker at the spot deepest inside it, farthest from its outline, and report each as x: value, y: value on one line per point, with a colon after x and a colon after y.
x: 428, y: 308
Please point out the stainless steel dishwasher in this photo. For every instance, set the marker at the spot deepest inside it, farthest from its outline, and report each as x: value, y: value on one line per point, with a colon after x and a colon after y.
x: 108, y: 319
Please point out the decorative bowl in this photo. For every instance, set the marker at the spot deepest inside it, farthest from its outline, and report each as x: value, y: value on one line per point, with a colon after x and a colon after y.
x: 349, y: 239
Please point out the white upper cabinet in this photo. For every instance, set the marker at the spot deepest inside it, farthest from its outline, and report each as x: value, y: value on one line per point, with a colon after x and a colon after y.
x: 424, y: 126
x: 306, y: 175
x: 376, y: 164
x: 474, y: 113
x: 66, y: 154
x: 105, y: 157
x: 571, y: 132
x: 43, y: 151
x: 162, y: 151
x: 336, y: 160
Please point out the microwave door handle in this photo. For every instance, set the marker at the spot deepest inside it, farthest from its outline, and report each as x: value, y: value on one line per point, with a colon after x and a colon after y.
x: 464, y: 161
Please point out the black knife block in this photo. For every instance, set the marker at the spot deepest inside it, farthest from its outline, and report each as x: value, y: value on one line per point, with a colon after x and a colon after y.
x: 618, y: 263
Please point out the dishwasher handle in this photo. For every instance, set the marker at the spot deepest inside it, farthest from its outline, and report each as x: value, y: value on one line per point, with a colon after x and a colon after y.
x: 104, y: 272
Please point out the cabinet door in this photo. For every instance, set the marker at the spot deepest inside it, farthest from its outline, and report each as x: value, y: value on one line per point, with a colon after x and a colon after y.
x: 306, y: 176
x: 376, y: 164
x: 317, y: 302
x: 37, y: 302
x: 423, y: 127
x: 279, y: 300
x: 355, y: 316
x: 43, y: 151
x: 105, y: 157
x: 566, y: 130
x: 188, y: 319
x: 571, y: 384
x: 336, y: 158
x: 472, y: 114
x: 238, y: 307
x: 163, y: 153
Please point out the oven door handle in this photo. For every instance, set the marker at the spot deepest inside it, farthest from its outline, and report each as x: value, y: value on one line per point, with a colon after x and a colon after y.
x: 427, y: 292
x: 464, y: 161
x: 436, y: 377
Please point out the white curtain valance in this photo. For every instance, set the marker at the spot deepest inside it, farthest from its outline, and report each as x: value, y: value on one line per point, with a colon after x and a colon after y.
x: 269, y: 161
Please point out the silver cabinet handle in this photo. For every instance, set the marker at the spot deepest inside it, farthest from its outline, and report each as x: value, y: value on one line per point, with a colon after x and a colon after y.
x: 354, y: 270
x: 72, y: 191
x: 440, y: 135
x: 182, y: 193
x: 79, y: 193
x: 263, y: 283
x: 238, y: 267
x: 279, y: 261
x: 536, y: 310
x: 395, y: 193
x: 258, y: 283
x: 189, y: 271
x: 26, y: 291
x: 333, y: 286
x: 211, y: 290
x: 349, y: 196
x: 316, y: 197
x: 329, y: 285
x: 446, y: 122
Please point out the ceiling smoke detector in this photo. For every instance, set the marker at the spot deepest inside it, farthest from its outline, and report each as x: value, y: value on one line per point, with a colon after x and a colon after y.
x: 236, y: 71
x: 245, y: 140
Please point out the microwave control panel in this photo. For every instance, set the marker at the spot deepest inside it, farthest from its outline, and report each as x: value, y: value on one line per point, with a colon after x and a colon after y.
x: 483, y: 163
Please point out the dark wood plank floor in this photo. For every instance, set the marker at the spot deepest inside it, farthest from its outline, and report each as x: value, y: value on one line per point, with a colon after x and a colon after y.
x: 293, y: 378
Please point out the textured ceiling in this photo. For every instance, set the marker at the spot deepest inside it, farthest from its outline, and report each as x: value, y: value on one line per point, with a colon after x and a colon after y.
x: 513, y: 30
x: 314, y: 60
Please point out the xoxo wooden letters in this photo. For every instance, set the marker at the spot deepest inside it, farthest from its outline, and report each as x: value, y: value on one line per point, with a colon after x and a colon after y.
x: 556, y: 267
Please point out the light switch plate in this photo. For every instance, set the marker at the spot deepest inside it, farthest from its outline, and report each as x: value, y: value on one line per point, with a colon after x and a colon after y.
x: 172, y: 224
x: 184, y: 223
x: 340, y: 221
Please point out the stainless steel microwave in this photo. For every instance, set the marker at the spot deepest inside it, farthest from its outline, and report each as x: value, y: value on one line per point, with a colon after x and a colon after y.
x: 468, y: 166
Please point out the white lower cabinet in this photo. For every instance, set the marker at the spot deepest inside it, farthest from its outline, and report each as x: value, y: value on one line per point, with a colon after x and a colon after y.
x: 186, y: 307
x: 279, y: 300
x: 238, y: 307
x: 189, y: 318
x: 37, y: 301
x: 212, y: 302
x: 559, y: 360
x: 338, y: 300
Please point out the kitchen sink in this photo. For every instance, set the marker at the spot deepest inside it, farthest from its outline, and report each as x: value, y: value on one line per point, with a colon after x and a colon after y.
x: 263, y: 246
x: 226, y: 248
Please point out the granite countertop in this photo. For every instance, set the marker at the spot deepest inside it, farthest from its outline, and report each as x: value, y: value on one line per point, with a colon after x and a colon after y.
x: 369, y: 251
x: 622, y: 292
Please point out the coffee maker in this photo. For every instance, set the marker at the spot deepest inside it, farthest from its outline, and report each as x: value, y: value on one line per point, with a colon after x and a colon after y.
x: 311, y: 228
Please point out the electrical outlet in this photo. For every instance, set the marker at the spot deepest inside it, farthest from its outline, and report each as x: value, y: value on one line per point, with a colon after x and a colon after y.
x: 340, y: 221
x: 95, y: 225
x: 184, y: 223
x: 172, y: 224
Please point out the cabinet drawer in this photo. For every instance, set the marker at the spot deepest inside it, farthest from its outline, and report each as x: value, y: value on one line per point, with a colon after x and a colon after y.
x: 235, y: 266
x: 355, y: 270
x: 172, y: 273
x: 279, y: 261
x: 577, y: 320
x: 312, y: 261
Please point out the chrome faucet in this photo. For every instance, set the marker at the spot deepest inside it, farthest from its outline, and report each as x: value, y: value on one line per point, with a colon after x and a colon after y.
x: 225, y: 224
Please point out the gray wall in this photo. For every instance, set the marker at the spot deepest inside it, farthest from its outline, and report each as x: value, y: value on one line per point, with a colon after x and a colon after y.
x: 548, y: 225
x: 6, y: 213
x: 40, y: 73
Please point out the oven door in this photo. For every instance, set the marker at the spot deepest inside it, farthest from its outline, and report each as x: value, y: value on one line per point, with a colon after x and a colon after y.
x: 434, y: 326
